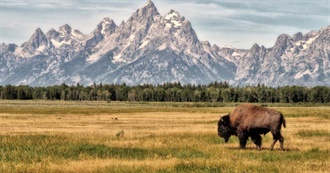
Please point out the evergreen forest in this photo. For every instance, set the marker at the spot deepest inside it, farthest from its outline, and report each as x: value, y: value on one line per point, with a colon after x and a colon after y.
x: 170, y: 92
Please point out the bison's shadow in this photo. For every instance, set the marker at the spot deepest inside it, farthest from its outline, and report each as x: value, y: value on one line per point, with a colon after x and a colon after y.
x: 263, y: 149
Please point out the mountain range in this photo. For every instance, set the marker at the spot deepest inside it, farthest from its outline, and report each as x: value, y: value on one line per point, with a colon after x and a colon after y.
x: 151, y: 48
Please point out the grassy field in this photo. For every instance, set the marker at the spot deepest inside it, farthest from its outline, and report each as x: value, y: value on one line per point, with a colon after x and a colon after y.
x: 57, y: 136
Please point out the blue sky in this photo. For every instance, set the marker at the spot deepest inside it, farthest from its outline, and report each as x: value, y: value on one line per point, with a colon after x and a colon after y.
x: 223, y: 22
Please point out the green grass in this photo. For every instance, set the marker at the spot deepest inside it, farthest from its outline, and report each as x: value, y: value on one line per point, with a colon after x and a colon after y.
x: 313, y: 133
x: 32, y: 149
x: 40, y: 107
x: 89, y: 108
x: 57, y: 136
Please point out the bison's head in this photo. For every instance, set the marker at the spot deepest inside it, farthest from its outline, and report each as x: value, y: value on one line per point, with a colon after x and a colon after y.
x: 224, y: 128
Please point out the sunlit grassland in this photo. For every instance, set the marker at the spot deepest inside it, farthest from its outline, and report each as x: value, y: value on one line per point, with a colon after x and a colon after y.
x: 58, y: 136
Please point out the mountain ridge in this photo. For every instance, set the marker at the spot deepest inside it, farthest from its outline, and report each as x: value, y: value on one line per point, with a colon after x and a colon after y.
x: 151, y: 48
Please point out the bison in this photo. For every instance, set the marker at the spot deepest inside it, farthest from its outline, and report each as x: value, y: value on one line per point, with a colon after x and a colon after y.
x: 248, y: 120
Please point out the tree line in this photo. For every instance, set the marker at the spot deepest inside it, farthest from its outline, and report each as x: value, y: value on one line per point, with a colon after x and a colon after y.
x: 170, y: 92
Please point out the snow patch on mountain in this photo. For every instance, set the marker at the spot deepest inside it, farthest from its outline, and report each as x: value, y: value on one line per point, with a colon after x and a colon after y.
x: 173, y: 19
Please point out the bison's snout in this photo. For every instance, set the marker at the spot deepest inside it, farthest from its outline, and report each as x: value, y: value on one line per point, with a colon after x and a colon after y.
x: 219, y: 134
x: 225, y: 136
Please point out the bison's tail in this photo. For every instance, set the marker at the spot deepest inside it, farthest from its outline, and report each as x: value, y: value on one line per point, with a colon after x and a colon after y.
x: 283, y: 120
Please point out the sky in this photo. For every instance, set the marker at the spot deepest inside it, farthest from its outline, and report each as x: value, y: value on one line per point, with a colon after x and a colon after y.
x: 238, y: 23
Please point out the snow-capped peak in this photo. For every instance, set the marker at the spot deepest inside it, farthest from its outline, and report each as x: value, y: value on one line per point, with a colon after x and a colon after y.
x: 174, y: 19
x: 149, y: 9
x: 39, y: 31
x: 150, y: 48
x: 65, y: 30
x: 148, y: 3
x: 36, y: 37
x: 107, y: 26
x: 172, y: 14
x: 37, y: 44
x: 227, y: 47
x: 206, y: 44
x: 77, y: 34
x: 107, y: 20
x: 51, y: 31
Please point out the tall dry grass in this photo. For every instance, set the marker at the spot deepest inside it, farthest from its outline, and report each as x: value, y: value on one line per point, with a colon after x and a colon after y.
x: 56, y: 136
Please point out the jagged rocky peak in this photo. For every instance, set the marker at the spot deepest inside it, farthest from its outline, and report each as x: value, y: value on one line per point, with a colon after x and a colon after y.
x: 255, y: 48
x: 142, y: 19
x: 150, y: 48
x: 38, y: 34
x: 215, y: 48
x: 138, y: 25
x: 51, y: 31
x: 104, y: 29
x: 9, y: 47
x: 65, y: 29
x: 149, y: 2
x: 107, y: 26
x: 38, y: 31
x: 107, y: 20
x: 149, y: 9
x: 173, y: 15
x: 283, y: 41
x: 52, y: 34
x: 326, y: 29
x: 325, y: 33
x: 181, y: 27
x: 37, y: 39
x: 173, y: 19
x: 227, y: 47
x: 298, y: 36
x: 66, y: 33
x: 37, y: 44
x: 77, y: 33
x: 149, y: 5
x: 122, y: 23
x: 206, y: 43
x: 12, y: 47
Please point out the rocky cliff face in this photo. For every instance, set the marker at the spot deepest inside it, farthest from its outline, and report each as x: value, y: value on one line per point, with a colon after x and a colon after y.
x: 298, y: 60
x: 151, y: 48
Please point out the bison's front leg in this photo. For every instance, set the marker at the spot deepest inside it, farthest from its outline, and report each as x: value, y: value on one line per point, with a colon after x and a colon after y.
x: 243, y: 137
x: 256, y: 138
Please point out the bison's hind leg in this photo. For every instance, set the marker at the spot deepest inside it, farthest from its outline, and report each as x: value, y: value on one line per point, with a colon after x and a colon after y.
x: 281, y: 142
x: 277, y: 136
x: 256, y: 138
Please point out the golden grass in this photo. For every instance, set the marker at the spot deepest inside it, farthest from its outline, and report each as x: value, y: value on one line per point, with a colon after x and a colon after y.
x: 157, y: 138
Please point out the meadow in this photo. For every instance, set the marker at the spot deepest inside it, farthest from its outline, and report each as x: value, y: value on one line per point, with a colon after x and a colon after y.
x: 68, y: 136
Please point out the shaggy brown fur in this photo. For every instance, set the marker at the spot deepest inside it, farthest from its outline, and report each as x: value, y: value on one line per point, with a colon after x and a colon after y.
x: 248, y: 120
